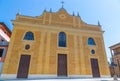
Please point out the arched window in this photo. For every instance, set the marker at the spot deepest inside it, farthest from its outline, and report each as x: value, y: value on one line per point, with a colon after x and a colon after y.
x: 91, y: 41
x: 29, y: 36
x: 62, y: 39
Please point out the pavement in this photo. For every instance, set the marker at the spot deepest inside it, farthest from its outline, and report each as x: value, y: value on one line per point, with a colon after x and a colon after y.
x: 70, y: 79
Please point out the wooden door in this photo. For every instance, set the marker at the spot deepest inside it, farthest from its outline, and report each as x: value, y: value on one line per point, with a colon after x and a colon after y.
x: 23, y: 66
x: 95, y: 68
x: 62, y: 65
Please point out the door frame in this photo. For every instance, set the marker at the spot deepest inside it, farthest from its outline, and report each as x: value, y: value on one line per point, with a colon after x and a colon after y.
x: 92, y: 68
x: 66, y: 64
x: 19, y: 65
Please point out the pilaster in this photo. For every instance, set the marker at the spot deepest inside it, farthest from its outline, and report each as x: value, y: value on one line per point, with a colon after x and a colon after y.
x: 47, y: 54
x: 77, y: 68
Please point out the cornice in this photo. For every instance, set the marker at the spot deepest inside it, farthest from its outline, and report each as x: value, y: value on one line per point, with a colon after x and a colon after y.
x: 56, y: 27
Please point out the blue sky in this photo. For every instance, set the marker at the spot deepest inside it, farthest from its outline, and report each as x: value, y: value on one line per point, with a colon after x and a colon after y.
x: 106, y: 11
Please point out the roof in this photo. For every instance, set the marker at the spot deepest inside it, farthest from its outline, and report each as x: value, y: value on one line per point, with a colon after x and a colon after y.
x: 2, y: 23
x: 115, y: 46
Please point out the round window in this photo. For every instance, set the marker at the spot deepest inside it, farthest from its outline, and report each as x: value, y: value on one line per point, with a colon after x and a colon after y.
x: 93, y: 51
x: 27, y: 47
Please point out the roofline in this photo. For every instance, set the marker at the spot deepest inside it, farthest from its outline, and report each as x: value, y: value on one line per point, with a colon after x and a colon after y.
x: 2, y: 23
x: 58, y: 11
x: 114, y: 45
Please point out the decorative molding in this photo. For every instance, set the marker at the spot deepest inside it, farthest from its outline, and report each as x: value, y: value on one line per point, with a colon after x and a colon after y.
x: 62, y: 15
x: 47, y: 76
x: 57, y: 27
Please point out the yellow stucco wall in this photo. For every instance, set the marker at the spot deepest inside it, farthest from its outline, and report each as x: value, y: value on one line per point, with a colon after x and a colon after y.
x: 44, y: 49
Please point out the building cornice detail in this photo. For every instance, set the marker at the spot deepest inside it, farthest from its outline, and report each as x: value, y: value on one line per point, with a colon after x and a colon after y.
x: 56, y: 27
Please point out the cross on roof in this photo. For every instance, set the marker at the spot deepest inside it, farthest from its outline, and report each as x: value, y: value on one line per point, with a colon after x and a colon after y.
x: 62, y: 3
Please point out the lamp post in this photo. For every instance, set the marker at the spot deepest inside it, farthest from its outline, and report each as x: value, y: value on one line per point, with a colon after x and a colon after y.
x: 118, y: 67
x: 113, y: 65
x: 114, y: 75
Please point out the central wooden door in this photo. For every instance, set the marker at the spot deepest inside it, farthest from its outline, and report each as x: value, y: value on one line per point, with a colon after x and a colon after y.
x: 62, y: 65
x: 23, y: 66
x: 95, y: 68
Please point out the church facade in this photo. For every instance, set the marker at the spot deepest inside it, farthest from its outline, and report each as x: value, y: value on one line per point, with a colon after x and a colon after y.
x: 55, y: 45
